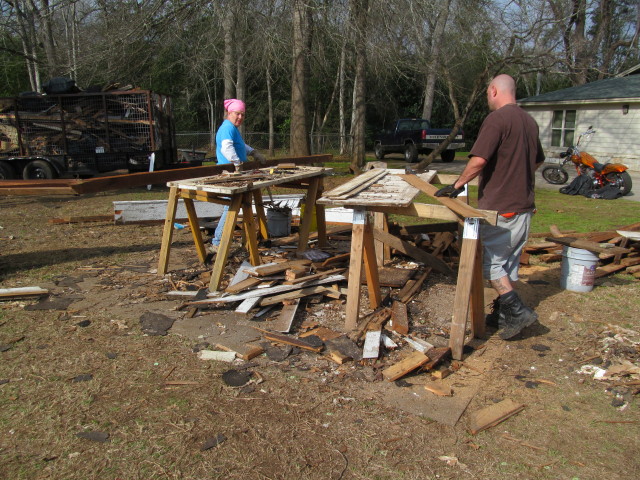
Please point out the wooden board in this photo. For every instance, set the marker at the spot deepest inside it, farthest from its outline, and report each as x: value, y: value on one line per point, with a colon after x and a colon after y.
x: 399, y: 320
x: 20, y: 292
x: 357, y: 184
x: 272, y: 268
x: 284, y: 321
x: 587, y: 245
x: 391, y: 276
x: 245, y: 351
x: 304, y: 292
x: 493, y: 415
x: 274, y: 337
x: 266, y: 291
x: 144, y: 211
x: 323, y: 333
x: 215, y: 185
x: 247, y: 305
x: 410, y: 363
x: 245, y: 284
x: 454, y: 204
x: 389, y: 190
x: 371, y: 347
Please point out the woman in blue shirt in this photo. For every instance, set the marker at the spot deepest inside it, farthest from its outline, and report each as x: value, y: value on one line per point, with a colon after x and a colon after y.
x: 230, y: 148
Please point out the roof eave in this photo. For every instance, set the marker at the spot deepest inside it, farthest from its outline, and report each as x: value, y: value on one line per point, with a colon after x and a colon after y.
x: 594, y: 101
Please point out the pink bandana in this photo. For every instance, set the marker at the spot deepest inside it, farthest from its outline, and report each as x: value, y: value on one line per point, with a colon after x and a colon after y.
x: 234, y: 105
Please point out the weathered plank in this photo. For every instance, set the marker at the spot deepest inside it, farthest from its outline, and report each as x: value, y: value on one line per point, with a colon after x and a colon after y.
x: 20, y: 292
x: 407, y: 365
x: 588, y: 245
x: 285, y: 319
x: 494, y: 414
x: 399, y: 319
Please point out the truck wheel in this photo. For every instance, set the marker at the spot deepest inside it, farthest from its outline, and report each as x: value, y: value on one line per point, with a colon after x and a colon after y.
x: 378, y: 150
x: 448, y: 155
x: 38, y: 170
x: 6, y: 171
x: 410, y: 153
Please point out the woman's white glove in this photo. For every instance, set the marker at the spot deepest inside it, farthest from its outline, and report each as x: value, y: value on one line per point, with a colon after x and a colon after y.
x: 258, y: 157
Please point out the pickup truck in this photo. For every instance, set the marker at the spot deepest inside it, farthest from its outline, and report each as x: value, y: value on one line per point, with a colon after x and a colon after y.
x: 413, y: 136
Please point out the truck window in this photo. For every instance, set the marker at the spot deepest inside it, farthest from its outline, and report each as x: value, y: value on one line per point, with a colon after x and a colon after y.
x: 404, y: 126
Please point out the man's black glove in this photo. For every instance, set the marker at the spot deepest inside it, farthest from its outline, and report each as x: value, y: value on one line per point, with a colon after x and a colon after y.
x: 449, y: 191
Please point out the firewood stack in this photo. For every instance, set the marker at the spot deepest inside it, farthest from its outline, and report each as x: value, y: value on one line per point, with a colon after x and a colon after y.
x: 83, y: 123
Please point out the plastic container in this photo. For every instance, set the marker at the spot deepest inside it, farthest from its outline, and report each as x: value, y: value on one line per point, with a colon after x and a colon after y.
x: 279, y: 222
x: 578, y: 269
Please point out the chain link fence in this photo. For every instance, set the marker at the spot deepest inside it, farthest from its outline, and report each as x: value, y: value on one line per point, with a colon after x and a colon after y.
x: 332, y: 143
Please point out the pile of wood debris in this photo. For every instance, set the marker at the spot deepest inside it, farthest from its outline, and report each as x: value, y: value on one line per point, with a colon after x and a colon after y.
x: 618, y: 251
x: 276, y: 290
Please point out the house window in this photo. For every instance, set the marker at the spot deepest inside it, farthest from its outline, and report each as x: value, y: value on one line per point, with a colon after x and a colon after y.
x: 563, y: 128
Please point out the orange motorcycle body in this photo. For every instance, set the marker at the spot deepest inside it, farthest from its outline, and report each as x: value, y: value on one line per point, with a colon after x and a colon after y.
x: 584, y: 159
x: 590, y: 162
x: 613, y: 167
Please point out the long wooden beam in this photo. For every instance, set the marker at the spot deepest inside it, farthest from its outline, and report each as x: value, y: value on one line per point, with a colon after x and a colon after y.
x: 117, y: 182
x: 436, y: 212
x: 457, y: 206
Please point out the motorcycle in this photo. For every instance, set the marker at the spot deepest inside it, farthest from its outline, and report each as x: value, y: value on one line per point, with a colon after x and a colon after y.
x: 600, y: 175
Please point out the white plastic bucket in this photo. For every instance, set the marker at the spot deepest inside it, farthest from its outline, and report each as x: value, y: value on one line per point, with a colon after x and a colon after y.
x: 578, y: 269
x: 278, y: 222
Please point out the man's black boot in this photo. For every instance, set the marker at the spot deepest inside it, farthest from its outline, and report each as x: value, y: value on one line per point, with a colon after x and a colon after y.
x: 491, y: 319
x: 514, y: 316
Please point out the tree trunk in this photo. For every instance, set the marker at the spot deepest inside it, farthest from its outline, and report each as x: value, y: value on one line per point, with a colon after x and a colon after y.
x: 228, y: 61
x: 270, y: 107
x: 359, y: 11
x: 436, y: 41
x: 299, y: 78
x: 341, y: 99
x: 240, y: 84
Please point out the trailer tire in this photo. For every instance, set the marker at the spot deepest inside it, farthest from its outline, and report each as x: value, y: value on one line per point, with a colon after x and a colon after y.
x: 6, y: 171
x: 38, y: 170
x: 448, y: 156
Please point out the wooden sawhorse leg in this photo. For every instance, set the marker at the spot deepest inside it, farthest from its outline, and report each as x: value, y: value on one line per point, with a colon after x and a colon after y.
x: 262, y: 218
x: 466, y: 292
x: 309, y: 210
x: 383, y: 252
x: 362, y: 248
x: 321, y: 222
x: 195, y: 229
x: 167, y: 232
x: 225, y: 242
x: 249, y: 227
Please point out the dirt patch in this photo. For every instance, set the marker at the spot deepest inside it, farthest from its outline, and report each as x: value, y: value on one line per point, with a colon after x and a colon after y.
x: 146, y: 406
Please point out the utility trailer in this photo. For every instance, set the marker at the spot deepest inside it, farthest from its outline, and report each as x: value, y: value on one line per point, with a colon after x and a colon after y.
x: 85, y: 134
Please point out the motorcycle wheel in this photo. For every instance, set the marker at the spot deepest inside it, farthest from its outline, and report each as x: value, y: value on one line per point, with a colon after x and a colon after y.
x: 555, y: 175
x: 622, y: 180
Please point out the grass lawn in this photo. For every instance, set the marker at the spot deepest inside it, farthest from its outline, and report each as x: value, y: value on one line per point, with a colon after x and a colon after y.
x: 567, y: 212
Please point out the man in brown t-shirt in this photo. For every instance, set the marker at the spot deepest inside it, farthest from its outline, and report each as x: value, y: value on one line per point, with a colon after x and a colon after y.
x: 505, y: 156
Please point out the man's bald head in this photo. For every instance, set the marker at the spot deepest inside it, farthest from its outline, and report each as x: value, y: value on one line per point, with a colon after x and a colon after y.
x: 501, y: 91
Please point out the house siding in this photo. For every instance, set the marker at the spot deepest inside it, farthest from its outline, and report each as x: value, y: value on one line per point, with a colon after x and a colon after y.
x: 617, y: 137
